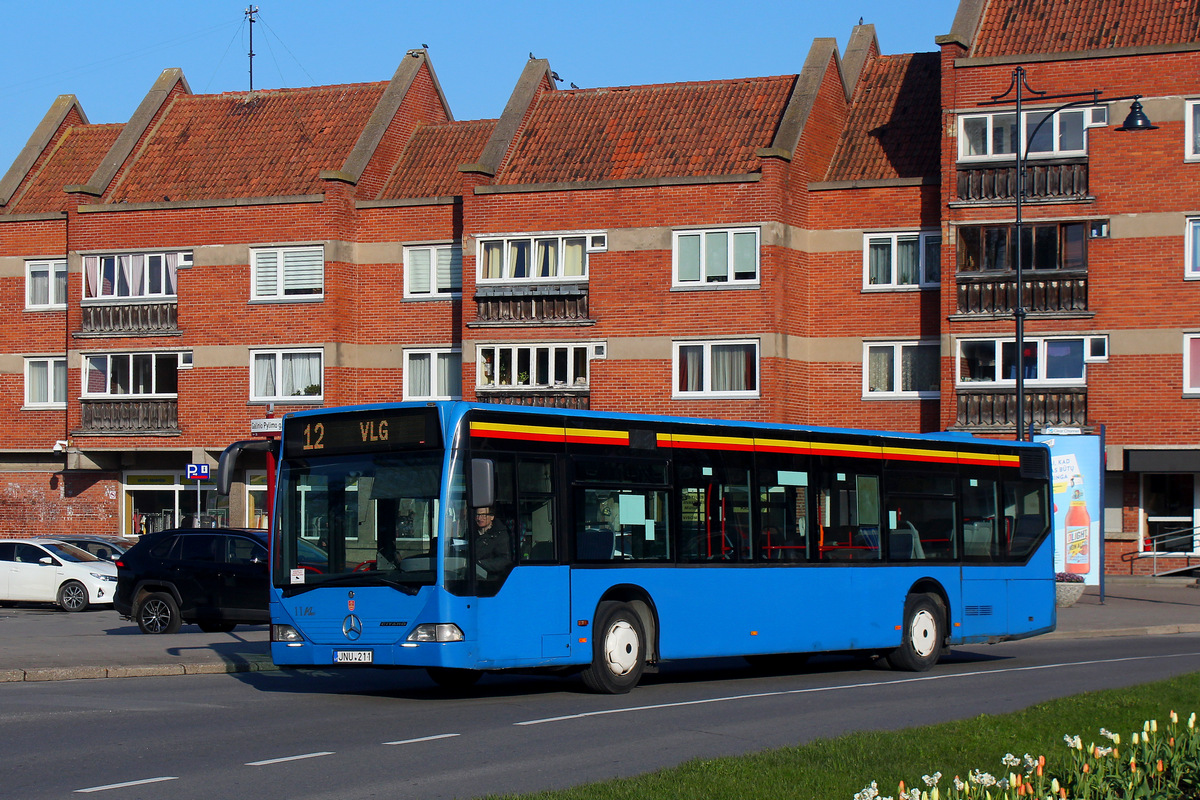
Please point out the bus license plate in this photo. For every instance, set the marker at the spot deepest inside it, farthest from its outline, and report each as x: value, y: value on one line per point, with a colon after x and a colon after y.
x: 353, y: 656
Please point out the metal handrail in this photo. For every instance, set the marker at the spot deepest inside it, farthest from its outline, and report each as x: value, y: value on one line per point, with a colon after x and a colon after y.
x: 1182, y: 534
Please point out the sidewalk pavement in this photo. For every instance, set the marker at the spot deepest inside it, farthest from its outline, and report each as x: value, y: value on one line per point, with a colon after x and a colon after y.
x: 45, y: 644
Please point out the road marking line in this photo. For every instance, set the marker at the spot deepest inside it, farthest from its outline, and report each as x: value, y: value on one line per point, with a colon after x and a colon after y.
x: 288, y: 758
x: 426, y: 738
x: 125, y: 785
x: 815, y: 689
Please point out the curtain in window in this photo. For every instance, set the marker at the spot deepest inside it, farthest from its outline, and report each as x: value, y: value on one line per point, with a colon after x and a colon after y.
x: 449, y: 269
x: 60, y: 380
x: 918, y: 368
x: 908, y: 260
x: 142, y: 380
x: 493, y: 260
x: 733, y: 368
x: 518, y: 258
x: 134, y: 268
x: 688, y: 257
x: 716, y: 257
x: 300, y: 374
x: 879, y: 262
x: 691, y: 368
x: 39, y: 286
x: 264, y: 375
x: 547, y: 258
x: 124, y: 273
x: 573, y: 257
x: 418, y: 271
x: 91, y: 272
x: 880, y: 368
x: 449, y: 375
x: 39, y: 382
x: 172, y: 273
x: 418, y: 375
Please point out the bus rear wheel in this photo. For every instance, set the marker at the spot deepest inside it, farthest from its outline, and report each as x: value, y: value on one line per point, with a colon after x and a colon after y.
x: 924, y: 634
x: 618, y: 650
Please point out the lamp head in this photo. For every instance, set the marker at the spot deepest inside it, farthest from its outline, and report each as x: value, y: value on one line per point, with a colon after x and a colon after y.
x: 1137, y: 119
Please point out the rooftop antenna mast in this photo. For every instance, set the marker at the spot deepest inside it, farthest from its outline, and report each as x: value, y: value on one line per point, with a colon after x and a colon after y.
x: 250, y: 12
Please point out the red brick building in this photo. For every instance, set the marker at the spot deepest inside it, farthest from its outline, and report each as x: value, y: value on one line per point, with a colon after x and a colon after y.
x: 794, y: 248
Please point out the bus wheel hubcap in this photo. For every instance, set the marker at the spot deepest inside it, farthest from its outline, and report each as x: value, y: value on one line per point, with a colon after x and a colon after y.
x: 923, y: 633
x: 621, y: 648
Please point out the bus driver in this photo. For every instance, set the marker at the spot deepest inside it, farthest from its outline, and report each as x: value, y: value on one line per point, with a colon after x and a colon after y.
x: 493, y: 543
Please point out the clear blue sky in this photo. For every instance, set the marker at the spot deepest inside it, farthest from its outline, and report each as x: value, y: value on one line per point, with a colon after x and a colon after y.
x: 108, y: 53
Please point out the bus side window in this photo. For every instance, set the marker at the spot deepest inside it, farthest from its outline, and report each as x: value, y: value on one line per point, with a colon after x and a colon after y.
x: 983, y: 528
x: 622, y: 525
x: 849, y: 523
x: 783, y: 515
x: 535, y: 488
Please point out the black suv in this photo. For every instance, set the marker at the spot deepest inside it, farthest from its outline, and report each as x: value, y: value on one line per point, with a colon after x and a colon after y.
x: 214, y: 577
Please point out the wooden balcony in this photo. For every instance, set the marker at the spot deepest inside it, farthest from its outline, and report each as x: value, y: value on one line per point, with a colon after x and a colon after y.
x: 129, y: 416
x: 532, y: 304
x: 130, y: 319
x: 995, y: 410
x: 1045, y: 291
x: 1048, y: 179
x: 550, y: 398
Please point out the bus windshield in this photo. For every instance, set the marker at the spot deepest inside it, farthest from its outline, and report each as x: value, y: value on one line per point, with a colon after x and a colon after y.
x: 358, y: 520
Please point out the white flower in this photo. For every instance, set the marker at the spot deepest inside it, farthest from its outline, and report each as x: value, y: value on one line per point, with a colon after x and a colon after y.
x: 1010, y: 760
x: 1030, y: 762
x: 959, y: 785
x: 1107, y: 734
x: 932, y: 780
x: 1101, y: 752
x: 1073, y: 741
x: 983, y: 778
x: 869, y: 793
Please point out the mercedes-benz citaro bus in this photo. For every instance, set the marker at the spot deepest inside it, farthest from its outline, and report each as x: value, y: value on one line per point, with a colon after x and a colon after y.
x: 463, y: 538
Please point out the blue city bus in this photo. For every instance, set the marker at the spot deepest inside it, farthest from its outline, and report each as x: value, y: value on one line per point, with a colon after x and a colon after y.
x: 463, y: 538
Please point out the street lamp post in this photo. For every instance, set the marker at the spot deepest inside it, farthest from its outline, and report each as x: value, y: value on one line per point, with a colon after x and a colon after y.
x: 1135, y: 121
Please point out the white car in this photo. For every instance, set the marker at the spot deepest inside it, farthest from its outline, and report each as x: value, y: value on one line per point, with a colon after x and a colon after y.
x: 49, y: 571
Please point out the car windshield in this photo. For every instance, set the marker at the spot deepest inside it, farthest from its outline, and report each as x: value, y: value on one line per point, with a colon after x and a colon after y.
x: 69, y: 552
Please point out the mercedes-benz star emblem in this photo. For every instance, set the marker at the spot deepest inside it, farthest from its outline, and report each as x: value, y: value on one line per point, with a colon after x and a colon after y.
x: 352, y: 627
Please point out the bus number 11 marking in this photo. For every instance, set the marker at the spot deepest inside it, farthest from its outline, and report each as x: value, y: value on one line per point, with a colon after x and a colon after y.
x: 314, y: 436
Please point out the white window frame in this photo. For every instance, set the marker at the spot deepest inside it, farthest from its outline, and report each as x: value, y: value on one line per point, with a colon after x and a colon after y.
x: 706, y: 390
x: 713, y: 280
x: 52, y: 267
x: 296, y: 286
x: 1191, y: 378
x: 1089, y: 116
x: 897, y: 348
x: 434, y: 274
x: 484, y: 246
x: 278, y: 356
x: 96, y: 267
x: 435, y: 373
x: 55, y: 366
x: 1040, y: 343
x: 1191, y: 130
x: 1191, y: 255
x: 167, y: 357
x: 924, y: 280
x: 491, y: 358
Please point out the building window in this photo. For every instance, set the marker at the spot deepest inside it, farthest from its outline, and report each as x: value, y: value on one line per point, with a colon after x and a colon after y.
x: 1055, y: 361
x: 282, y: 375
x: 434, y: 271
x: 1191, y: 151
x: 900, y: 369
x: 131, y: 375
x: 432, y: 375
x: 287, y: 273
x: 1053, y: 246
x: 715, y: 258
x: 529, y: 259
x: 45, y: 284
x: 46, y: 382
x: 716, y: 369
x: 996, y: 135
x: 1191, y: 258
x: 895, y: 260
x: 1191, y: 364
x: 132, y: 275
x: 539, y: 366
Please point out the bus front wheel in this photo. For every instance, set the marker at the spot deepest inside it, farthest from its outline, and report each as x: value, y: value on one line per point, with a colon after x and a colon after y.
x: 618, y: 650
x: 924, y: 634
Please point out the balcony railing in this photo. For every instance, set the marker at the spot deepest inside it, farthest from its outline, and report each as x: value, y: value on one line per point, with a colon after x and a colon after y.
x: 995, y: 409
x: 130, y: 319
x: 1053, y: 179
x: 549, y: 398
x: 129, y: 416
x: 532, y: 304
x: 1051, y: 291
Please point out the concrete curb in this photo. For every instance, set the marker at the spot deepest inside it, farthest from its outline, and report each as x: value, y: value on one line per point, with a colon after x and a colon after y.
x: 1150, y: 630
x: 40, y: 674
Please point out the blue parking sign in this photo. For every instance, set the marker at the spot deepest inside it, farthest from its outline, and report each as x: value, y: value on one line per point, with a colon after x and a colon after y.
x: 197, y: 472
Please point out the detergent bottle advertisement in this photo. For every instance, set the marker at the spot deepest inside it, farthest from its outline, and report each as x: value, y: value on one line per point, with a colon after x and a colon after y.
x: 1077, y: 470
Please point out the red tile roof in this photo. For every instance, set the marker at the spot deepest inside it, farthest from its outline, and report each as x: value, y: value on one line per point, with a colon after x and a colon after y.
x: 892, y: 128
x: 72, y: 160
x: 671, y: 130
x: 428, y: 167
x: 1012, y: 27
x: 236, y: 145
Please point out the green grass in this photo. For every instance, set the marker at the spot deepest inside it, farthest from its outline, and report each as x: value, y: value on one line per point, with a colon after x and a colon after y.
x: 834, y: 769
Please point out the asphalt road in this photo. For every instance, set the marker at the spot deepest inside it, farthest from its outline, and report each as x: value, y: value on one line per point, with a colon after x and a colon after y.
x: 381, y: 734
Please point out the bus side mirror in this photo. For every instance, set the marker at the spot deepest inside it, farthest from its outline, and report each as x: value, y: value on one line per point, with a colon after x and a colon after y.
x: 230, y: 455
x: 483, y: 482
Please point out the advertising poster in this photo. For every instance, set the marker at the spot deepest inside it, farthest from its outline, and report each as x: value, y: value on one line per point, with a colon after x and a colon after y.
x: 1077, y: 469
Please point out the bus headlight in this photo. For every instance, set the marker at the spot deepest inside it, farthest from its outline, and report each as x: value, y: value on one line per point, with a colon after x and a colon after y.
x: 285, y: 633
x: 436, y: 632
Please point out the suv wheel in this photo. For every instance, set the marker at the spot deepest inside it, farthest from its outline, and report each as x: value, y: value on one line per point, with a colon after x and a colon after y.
x: 158, y: 613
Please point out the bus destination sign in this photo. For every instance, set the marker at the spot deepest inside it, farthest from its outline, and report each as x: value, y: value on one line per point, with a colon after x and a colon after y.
x: 365, y: 432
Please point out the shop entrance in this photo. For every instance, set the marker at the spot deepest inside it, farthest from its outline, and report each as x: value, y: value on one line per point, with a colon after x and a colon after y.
x: 1170, y: 504
x: 155, y: 502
